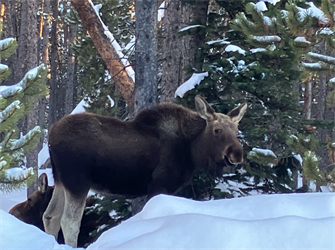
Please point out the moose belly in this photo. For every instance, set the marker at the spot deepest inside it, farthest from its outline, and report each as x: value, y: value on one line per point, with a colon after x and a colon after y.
x: 126, y: 173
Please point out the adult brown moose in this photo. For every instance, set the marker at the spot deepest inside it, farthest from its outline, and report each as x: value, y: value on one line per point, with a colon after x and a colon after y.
x: 155, y: 153
x: 31, y: 212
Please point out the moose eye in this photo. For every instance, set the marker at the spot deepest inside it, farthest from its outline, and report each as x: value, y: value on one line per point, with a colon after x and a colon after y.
x: 217, y: 131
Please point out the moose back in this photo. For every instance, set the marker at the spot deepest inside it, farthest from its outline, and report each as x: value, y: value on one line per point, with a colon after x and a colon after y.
x: 157, y: 152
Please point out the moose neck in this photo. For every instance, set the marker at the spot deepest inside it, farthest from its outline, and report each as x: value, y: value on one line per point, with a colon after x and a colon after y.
x: 200, y: 151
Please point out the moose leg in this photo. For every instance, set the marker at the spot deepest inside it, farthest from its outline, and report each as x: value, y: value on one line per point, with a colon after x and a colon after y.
x: 71, y: 219
x: 54, y: 211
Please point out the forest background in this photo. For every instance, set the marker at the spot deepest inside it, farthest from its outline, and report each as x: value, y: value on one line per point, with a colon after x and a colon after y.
x: 276, y: 55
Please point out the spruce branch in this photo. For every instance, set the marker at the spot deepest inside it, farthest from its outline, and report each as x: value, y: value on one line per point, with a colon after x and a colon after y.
x: 4, y: 72
x: 7, y: 47
x: 11, y: 115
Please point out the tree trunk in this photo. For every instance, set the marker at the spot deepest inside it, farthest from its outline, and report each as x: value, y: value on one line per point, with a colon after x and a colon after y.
x: 322, y: 113
x: 30, y: 35
x: 172, y: 57
x: 56, y: 99
x: 71, y: 76
x: 191, y: 49
x: 181, y: 52
x: 145, y: 54
x: 91, y: 23
x: 10, y: 30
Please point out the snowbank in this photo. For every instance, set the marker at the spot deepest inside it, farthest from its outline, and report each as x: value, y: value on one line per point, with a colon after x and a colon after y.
x: 282, y: 221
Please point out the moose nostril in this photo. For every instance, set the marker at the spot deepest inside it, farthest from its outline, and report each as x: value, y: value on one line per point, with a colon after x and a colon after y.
x: 235, y: 154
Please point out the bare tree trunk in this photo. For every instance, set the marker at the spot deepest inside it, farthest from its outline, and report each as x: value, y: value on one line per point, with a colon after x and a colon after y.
x: 71, y: 65
x: 191, y: 49
x: 115, y: 68
x: 45, y: 19
x: 181, y: 52
x: 45, y: 32
x: 29, y: 18
x: 54, y: 101
x: 172, y: 57
x: 10, y: 30
x: 145, y: 54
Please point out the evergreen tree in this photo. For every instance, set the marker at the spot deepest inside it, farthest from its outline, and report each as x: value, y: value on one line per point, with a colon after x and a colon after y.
x: 257, y: 58
x: 15, y: 102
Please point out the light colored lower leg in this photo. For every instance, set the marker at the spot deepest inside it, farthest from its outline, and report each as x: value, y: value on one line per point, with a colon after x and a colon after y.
x: 71, y: 219
x: 54, y: 211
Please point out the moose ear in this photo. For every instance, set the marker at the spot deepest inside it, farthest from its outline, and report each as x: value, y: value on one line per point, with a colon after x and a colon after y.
x: 204, y: 110
x: 42, y: 183
x: 237, y: 113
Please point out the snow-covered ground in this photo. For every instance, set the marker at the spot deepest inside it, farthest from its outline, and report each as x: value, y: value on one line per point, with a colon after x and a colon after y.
x: 281, y: 221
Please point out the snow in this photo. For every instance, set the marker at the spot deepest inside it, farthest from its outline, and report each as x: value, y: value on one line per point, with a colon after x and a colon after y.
x: 266, y: 39
x: 272, y: 1
x: 298, y: 157
x: 327, y: 59
x: 3, y: 67
x: 258, y: 50
x: 317, y: 13
x: 264, y: 152
x: 315, y: 66
x: 326, y: 31
x: 195, y: 79
x: 281, y: 221
x: 80, y: 107
x: 301, y: 39
x: 160, y: 13
x: 190, y: 27
x: 220, y: 41
x: 234, y: 48
x: 112, y: 103
x: 12, y: 89
x: 5, y: 42
x: 261, y: 6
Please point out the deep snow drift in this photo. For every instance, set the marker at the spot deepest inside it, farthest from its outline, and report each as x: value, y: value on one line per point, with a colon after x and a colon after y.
x: 281, y: 221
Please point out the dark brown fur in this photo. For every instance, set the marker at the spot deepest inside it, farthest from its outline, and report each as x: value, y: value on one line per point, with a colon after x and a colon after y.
x: 155, y: 153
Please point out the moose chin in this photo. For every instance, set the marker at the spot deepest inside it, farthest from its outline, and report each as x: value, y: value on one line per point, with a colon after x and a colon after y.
x: 155, y: 153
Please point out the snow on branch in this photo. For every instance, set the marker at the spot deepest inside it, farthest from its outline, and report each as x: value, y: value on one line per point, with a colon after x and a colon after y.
x: 234, y: 48
x: 7, y: 91
x: 191, y: 27
x: 266, y: 39
x: 265, y: 152
x: 323, y: 58
x: 3, y: 67
x: 5, y: 42
x: 301, y: 39
x: 23, y: 141
x: 261, y: 6
x: 263, y: 156
x: 316, y: 66
x: 195, y: 79
x: 220, y: 41
x: 115, y: 44
x: 332, y: 80
x: 9, y: 110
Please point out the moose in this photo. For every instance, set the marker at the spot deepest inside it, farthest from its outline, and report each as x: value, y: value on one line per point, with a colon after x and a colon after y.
x: 156, y: 152
x: 31, y: 212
